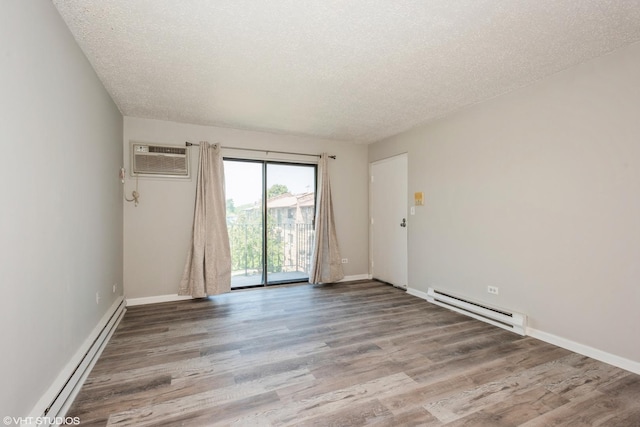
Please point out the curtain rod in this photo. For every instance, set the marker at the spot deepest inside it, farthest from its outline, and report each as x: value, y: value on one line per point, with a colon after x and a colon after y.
x: 191, y: 144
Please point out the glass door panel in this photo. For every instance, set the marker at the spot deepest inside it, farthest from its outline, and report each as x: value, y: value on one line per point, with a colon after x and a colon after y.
x: 290, y: 216
x: 243, y: 188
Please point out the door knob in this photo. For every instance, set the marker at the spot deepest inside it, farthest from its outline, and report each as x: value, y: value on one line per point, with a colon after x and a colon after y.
x: 404, y: 222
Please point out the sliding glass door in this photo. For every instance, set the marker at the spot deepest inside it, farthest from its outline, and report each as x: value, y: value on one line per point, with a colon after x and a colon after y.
x: 270, y: 217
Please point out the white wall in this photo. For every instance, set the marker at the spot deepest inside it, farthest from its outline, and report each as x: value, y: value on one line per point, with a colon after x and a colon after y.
x: 158, y: 231
x: 60, y: 212
x: 537, y: 192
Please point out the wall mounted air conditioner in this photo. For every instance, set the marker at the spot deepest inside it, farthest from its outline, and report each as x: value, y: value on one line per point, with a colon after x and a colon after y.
x: 159, y: 160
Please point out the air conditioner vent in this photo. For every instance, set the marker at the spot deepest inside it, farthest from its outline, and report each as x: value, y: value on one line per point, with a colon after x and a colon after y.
x: 167, y: 150
x: 159, y: 160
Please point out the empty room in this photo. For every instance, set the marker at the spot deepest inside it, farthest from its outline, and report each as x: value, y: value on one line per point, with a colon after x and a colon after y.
x: 330, y: 213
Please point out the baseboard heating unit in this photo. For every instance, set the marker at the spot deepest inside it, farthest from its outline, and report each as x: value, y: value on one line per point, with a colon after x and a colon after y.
x: 55, y: 402
x: 505, y: 319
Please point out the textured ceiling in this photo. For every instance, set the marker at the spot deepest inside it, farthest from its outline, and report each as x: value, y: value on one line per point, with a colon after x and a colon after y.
x: 357, y: 70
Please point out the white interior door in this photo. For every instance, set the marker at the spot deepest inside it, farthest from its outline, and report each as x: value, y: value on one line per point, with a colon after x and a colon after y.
x: 388, y: 212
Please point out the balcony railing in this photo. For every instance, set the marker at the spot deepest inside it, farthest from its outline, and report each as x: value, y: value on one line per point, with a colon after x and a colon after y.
x: 289, y: 249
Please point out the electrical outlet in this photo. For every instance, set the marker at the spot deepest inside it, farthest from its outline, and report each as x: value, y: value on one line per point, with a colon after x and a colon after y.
x: 345, y: 260
x: 115, y: 286
x: 492, y: 290
x: 97, y: 297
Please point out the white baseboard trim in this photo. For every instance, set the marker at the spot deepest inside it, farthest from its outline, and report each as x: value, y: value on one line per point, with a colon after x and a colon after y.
x: 585, y: 350
x: 417, y: 293
x: 175, y: 297
x: 55, y: 402
x: 355, y: 277
x: 156, y: 299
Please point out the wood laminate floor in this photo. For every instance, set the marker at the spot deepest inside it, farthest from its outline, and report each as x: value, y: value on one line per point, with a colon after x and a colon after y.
x: 359, y: 353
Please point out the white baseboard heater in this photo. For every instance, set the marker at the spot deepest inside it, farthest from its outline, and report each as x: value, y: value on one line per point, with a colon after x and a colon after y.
x: 56, y: 401
x: 505, y: 319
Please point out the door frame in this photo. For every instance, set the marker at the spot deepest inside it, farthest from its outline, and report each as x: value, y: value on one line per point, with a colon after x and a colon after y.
x: 371, y: 216
x: 264, y: 213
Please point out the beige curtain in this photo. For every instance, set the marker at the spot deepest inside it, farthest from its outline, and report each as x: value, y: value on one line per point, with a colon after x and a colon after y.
x: 326, y: 265
x: 208, y: 267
